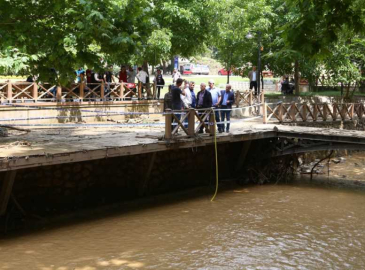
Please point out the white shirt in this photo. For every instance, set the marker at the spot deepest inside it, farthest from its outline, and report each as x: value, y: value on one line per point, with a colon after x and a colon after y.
x: 187, y: 99
x: 142, y: 76
x: 176, y: 76
x: 254, y: 76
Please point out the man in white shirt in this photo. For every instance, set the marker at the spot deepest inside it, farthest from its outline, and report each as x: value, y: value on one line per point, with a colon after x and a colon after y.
x: 142, y: 77
x: 253, y: 76
x: 187, y: 99
x: 175, y: 75
x: 216, y: 99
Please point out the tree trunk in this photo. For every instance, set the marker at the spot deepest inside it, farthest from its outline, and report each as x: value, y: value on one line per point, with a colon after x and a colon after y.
x: 164, y: 66
x: 262, y: 81
x: 145, y: 66
x: 347, y: 95
x: 296, y: 77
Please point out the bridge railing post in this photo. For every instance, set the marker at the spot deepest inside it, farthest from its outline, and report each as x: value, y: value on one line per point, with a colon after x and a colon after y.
x: 264, y: 112
x: 191, y: 122
x: 168, y: 124
x: 212, y: 125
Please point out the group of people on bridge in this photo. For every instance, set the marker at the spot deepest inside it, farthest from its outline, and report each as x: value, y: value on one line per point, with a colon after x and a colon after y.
x: 181, y: 96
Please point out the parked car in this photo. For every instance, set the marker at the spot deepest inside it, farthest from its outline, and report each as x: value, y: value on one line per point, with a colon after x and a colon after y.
x: 223, y: 71
x: 194, y: 69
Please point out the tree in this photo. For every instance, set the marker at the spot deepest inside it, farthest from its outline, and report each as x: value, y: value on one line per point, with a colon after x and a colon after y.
x: 37, y: 36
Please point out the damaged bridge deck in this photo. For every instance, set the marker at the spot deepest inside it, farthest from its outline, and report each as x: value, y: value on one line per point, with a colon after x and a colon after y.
x: 42, y: 147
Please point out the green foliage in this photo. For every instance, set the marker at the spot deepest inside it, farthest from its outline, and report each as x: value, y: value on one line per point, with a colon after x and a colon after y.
x: 65, y: 35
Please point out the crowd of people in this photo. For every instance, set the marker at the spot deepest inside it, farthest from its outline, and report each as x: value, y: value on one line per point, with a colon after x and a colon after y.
x: 181, y: 96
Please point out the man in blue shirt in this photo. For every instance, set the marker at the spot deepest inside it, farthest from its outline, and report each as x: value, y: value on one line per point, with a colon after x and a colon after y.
x: 226, y: 106
x: 193, y: 97
x: 216, y: 98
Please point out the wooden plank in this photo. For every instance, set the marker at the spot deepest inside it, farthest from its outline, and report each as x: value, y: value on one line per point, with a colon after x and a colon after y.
x: 212, y: 128
x: 315, y: 112
x: 102, y: 90
x: 59, y: 93
x: 191, y: 123
x: 264, y: 111
x: 35, y: 92
x: 168, y: 124
x: 6, y: 189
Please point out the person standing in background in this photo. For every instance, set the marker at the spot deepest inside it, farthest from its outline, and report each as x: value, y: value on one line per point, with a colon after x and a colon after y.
x: 175, y: 75
x: 226, y: 105
x: 160, y: 82
x: 253, y: 76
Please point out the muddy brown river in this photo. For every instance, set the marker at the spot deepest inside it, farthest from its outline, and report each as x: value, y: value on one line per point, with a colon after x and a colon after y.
x: 257, y: 227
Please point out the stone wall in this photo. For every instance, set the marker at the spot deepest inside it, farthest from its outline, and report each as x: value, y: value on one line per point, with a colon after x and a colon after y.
x: 53, y: 190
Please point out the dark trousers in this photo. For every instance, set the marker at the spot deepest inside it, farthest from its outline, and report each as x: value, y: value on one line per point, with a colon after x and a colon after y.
x: 225, y: 115
x: 158, y: 92
x: 253, y: 85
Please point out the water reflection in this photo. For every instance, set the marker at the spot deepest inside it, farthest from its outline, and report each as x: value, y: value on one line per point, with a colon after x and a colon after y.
x: 260, y: 227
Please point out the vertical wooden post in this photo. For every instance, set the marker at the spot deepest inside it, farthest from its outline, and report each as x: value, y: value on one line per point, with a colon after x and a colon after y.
x: 334, y: 109
x: 264, y: 111
x: 154, y: 90
x: 139, y: 90
x: 168, y: 124
x: 82, y: 90
x: 292, y: 112
x: 325, y: 112
x: 191, y: 122
x: 304, y: 112
x: 280, y: 113
x: 102, y: 89
x: 237, y: 98
x: 10, y: 92
x: 250, y: 98
x: 212, y: 126
x: 6, y: 189
x: 59, y: 93
x: 35, y: 92
x: 121, y: 93
x: 315, y: 112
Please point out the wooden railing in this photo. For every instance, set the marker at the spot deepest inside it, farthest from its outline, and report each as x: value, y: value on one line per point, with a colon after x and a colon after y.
x: 248, y: 98
x: 76, y: 92
x: 303, y: 112
x: 196, y: 120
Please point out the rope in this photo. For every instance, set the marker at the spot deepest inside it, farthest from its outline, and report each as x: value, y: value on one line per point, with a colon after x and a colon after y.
x: 216, y: 163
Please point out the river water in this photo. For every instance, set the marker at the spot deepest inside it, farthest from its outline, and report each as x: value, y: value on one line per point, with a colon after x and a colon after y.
x: 255, y: 227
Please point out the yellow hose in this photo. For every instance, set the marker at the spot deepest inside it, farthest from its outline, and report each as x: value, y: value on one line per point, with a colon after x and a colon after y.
x: 216, y: 163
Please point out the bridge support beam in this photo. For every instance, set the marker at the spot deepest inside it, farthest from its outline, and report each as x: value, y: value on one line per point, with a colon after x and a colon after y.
x: 6, y: 189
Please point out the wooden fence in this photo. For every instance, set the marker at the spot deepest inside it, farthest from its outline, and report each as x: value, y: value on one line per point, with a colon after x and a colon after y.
x: 76, y: 92
x: 248, y: 98
x: 304, y: 112
x: 196, y: 119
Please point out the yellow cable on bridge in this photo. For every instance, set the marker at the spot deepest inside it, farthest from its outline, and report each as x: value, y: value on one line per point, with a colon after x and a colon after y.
x: 216, y: 162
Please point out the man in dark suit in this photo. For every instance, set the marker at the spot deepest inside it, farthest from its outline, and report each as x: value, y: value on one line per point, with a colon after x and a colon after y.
x: 226, y: 106
x: 203, y: 100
